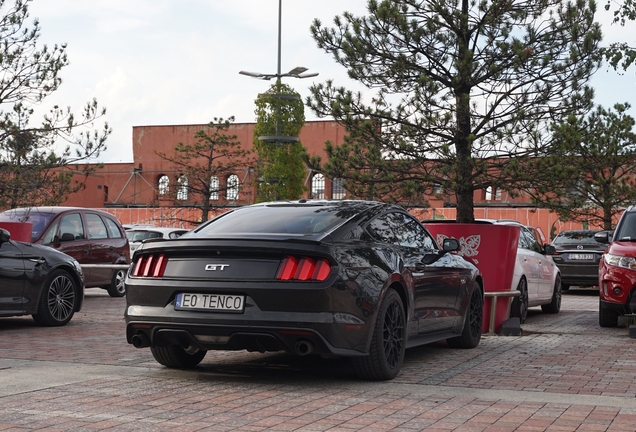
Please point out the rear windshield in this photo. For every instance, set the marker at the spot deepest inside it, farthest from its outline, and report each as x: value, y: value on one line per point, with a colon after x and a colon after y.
x: 278, y: 219
x: 39, y: 220
x: 575, y: 237
x: 137, y: 236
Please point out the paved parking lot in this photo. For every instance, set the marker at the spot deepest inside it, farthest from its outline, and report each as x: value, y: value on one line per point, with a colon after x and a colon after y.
x: 564, y: 373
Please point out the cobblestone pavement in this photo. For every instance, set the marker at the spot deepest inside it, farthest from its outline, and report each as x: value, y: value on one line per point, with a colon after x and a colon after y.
x: 564, y: 373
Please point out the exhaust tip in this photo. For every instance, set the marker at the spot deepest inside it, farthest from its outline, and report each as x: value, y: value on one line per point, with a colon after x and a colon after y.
x: 140, y: 340
x: 303, y: 347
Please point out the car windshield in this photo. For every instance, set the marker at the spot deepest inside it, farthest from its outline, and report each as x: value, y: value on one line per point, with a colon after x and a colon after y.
x: 39, y: 220
x: 278, y: 219
x: 137, y: 236
x: 626, y: 231
x: 575, y: 237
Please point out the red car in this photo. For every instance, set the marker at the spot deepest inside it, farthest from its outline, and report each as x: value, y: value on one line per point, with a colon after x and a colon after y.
x: 617, y: 271
x: 88, y: 235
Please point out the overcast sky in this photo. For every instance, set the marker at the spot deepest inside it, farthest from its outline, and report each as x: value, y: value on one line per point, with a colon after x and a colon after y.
x: 169, y: 62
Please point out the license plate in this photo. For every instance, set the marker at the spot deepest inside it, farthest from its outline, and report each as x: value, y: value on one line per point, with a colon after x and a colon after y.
x: 209, y: 302
x: 579, y: 256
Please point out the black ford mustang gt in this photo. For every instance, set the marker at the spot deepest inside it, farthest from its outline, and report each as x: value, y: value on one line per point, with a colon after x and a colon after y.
x: 351, y: 278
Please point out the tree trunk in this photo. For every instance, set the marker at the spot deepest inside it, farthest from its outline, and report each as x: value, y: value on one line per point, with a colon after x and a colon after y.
x: 463, y: 142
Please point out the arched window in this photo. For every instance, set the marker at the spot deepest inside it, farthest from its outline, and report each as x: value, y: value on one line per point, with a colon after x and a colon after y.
x: 493, y: 193
x: 318, y: 186
x: 182, y: 188
x: 214, y: 188
x: 232, y: 191
x: 163, y: 185
x: 338, y: 191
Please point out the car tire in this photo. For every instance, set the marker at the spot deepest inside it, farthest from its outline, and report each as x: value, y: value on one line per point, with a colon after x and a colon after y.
x: 519, y: 307
x: 607, y: 317
x: 471, y: 333
x: 58, y: 300
x: 388, y: 342
x: 555, y: 304
x: 117, y: 287
x: 175, y: 357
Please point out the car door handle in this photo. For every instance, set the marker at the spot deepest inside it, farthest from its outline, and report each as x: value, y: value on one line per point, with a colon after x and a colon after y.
x: 85, y: 251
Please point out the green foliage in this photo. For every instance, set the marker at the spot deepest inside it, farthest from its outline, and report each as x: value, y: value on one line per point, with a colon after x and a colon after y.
x: 206, y: 164
x: 620, y: 54
x: 281, y: 167
x: 33, y: 170
x: 465, y: 92
x: 589, y: 175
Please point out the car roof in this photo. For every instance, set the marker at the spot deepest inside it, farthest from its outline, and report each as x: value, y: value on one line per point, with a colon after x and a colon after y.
x: 155, y: 228
x: 54, y: 209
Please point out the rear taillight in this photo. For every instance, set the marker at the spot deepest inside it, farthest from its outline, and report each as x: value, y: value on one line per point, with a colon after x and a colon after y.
x: 305, y: 268
x: 150, y: 266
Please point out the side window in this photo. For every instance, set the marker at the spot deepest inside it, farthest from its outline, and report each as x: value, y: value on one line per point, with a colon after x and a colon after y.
x: 533, y: 244
x: 523, y: 241
x: 380, y: 229
x: 96, y: 226
x: 51, y: 234
x: 113, y: 229
x: 416, y: 235
x: 400, y: 229
x: 72, y: 224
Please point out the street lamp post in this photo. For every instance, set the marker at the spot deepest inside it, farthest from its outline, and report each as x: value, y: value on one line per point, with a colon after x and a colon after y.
x: 297, y: 72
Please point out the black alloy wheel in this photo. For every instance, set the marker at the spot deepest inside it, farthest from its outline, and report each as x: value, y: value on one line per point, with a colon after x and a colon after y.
x: 388, y: 343
x: 555, y: 304
x: 471, y: 333
x: 117, y: 288
x: 57, y: 300
x: 519, y: 306
x: 175, y: 357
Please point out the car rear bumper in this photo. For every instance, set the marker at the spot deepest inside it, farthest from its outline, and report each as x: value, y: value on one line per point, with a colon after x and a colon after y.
x: 253, y: 330
x: 572, y: 274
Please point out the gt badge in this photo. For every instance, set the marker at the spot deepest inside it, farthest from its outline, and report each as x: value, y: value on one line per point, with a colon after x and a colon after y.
x: 215, y: 267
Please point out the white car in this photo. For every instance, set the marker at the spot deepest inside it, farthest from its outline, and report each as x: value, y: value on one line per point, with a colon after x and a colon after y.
x: 137, y: 234
x: 536, y: 276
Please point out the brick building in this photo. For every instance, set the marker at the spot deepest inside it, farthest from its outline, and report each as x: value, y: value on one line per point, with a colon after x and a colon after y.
x: 139, y: 184
x: 133, y: 191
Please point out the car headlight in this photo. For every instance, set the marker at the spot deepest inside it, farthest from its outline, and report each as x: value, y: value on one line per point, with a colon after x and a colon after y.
x: 620, y: 261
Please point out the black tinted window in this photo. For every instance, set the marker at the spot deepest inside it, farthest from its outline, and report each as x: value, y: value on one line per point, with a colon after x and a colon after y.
x: 283, y: 219
x: 627, y: 228
x: 575, y: 237
x: 400, y: 229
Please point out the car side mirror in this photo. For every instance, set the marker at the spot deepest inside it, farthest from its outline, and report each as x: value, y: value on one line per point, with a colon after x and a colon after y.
x: 5, y: 235
x: 602, y: 237
x: 67, y: 237
x: 549, y: 249
x: 450, y: 245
